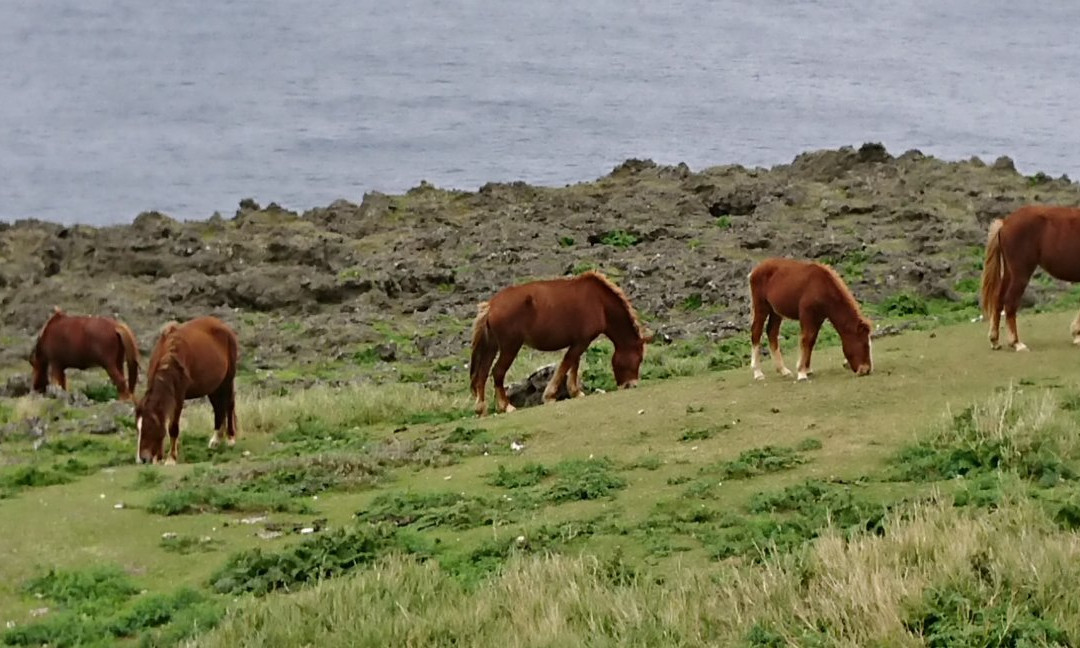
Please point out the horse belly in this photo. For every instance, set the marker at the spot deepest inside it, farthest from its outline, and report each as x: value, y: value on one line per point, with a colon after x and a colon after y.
x: 1063, y: 267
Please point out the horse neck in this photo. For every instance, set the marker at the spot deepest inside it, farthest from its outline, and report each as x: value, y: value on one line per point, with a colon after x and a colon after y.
x: 165, y: 388
x: 843, y: 315
x: 621, y: 328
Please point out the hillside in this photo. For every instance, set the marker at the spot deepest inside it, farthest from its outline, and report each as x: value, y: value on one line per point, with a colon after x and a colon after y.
x: 675, y: 476
x: 311, y: 292
x: 934, y: 502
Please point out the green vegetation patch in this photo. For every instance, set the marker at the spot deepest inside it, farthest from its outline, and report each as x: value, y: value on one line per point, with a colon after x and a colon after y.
x: 100, y: 604
x: 444, y: 509
x: 324, y: 556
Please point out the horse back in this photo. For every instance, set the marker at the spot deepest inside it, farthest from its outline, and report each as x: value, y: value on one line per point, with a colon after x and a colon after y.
x: 1043, y: 235
x: 79, y: 342
x: 789, y: 286
x: 208, y: 350
x: 548, y: 315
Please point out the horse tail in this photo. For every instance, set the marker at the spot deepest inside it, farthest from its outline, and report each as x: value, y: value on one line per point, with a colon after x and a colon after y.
x: 131, y: 354
x: 993, y: 265
x: 481, y: 345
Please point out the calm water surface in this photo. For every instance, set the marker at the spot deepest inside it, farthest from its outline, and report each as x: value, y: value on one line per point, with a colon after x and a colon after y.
x: 112, y: 107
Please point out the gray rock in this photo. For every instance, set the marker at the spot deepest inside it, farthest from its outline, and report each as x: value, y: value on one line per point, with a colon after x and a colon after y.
x: 530, y: 391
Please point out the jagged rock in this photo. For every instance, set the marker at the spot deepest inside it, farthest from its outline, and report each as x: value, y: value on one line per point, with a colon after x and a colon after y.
x: 530, y: 391
x: 16, y: 386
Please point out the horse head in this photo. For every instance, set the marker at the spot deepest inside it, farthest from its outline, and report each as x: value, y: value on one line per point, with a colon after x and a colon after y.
x: 626, y: 360
x: 150, y: 428
x: 858, y: 355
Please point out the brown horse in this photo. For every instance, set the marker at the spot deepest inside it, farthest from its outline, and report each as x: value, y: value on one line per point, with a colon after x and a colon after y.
x: 811, y: 293
x: 1033, y: 236
x: 550, y: 315
x: 190, y: 360
x: 74, y: 342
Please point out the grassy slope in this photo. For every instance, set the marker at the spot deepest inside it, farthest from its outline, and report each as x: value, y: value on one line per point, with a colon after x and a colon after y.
x: 859, y: 422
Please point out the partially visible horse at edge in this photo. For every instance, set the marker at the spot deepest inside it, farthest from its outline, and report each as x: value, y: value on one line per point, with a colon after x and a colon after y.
x: 191, y: 360
x: 80, y: 342
x: 550, y: 315
x: 811, y: 293
x: 1033, y: 236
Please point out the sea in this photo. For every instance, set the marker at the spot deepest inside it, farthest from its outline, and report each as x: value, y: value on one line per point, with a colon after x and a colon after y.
x: 113, y: 107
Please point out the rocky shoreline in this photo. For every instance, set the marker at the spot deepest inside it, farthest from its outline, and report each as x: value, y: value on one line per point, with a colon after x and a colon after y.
x: 405, y: 271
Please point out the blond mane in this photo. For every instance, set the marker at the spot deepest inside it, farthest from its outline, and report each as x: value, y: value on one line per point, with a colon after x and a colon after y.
x: 167, y: 341
x: 845, y: 292
x: 615, y: 290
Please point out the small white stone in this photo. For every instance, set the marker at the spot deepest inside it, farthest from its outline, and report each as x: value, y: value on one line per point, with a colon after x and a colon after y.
x: 307, y: 530
x: 641, y: 412
x: 118, y: 505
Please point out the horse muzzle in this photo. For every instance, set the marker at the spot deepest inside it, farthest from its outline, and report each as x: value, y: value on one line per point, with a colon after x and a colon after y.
x: 630, y: 384
x: 863, y: 370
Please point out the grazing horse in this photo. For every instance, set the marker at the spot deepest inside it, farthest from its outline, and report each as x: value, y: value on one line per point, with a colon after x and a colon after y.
x: 75, y: 342
x: 549, y: 315
x: 811, y: 293
x: 1033, y: 236
x: 190, y: 360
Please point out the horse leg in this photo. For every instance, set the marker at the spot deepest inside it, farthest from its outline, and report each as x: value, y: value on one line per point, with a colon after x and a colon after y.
x: 1011, y: 302
x: 230, y: 423
x: 758, y: 312
x: 995, y: 316
x: 502, y: 365
x: 221, y: 415
x: 773, y: 331
x: 1074, y: 328
x: 483, y: 368
x: 58, y: 377
x: 41, y: 375
x: 809, y: 332
x: 573, y: 379
x: 116, y: 375
x: 174, y: 435
x: 571, y: 358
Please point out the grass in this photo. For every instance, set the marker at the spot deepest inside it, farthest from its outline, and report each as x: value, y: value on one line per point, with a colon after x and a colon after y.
x: 921, y: 579
x: 842, y: 511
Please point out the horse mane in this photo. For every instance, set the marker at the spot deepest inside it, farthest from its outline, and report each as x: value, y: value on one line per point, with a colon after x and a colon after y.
x: 846, y: 295
x: 615, y: 290
x: 168, y: 358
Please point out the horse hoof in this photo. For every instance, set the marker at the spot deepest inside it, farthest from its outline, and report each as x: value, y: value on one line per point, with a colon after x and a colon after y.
x: 802, y: 378
x: 170, y: 462
x: 1076, y: 340
x: 510, y: 408
x: 231, y: 443
x: 213, y: 442
x: 785, y: 372
x: 1020, y: 346
x: 759, y: 376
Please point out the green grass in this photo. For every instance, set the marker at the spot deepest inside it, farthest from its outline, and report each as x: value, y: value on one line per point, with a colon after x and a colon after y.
x: 706, y: 484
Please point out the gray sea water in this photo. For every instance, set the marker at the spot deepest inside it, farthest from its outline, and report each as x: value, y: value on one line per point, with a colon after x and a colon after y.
x: 112, y: 107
